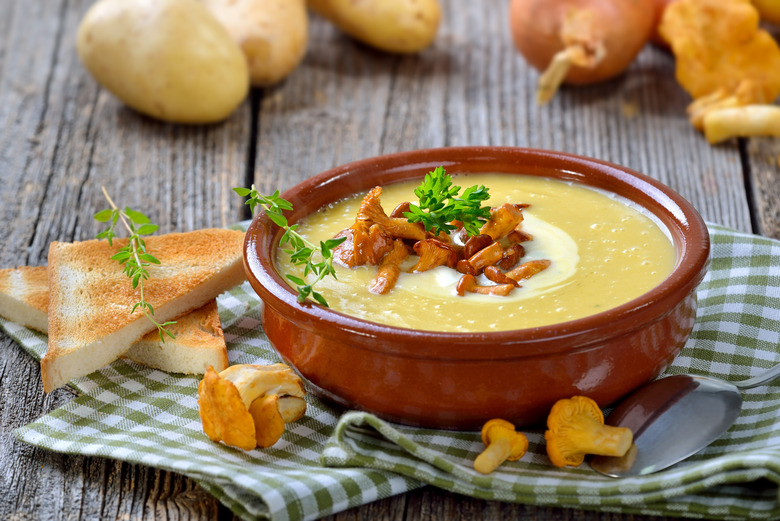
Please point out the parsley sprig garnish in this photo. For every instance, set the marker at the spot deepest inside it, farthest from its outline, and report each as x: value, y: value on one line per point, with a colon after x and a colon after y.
x: 301, y: 251
x: 440, y: 204
x: 133, y: 256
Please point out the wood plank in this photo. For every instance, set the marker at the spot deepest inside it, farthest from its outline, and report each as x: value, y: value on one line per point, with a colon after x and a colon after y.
x: 763, y: 165
x: 472, y: 88
x: 63, y: 139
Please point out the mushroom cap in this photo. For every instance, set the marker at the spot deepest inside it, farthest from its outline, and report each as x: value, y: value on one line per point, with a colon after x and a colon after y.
x: 576, y: 428
x: 269, y: 424
x: 496, y: 428
x: 466, y: 283
x: 432, y: 253
x: 224, y: 416
x: 503, y: 219
x: 720, y: 45
x: 561, y: 420
x: 566, y: 410
x: 559, y: 453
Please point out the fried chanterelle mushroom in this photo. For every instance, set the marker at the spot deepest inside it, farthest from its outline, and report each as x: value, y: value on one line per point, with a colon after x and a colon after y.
x: 386, y: 241
x: 724, y: 61
x: 576, y: 428
x: 247, y: 406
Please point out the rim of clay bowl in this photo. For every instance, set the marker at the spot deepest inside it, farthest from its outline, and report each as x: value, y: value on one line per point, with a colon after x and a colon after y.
x: 687, y: 228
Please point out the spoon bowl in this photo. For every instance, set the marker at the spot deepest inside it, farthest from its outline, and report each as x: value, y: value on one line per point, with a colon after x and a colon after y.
x: 673, y: 418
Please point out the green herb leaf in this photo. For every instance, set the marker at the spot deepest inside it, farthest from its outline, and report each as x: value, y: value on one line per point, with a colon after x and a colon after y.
x: 319, y: 298
x: 439, y: 204
x: 300, y: 250
x: 136, y: 217
x: 149, y: 258
x: 133, y: 257
x: 278, y: 219
x: 296, y: 280
x: 147, y: 229
x: 104, y: 216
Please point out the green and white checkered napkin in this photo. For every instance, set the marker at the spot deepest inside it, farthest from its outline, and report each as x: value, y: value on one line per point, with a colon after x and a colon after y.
x: 328, y: 462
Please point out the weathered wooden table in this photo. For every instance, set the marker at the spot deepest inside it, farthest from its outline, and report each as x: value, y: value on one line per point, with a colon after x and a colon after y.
x: 62, y: 138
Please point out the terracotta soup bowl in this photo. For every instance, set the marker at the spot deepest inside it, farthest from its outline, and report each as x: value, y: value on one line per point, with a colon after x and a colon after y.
x: 460, y: 380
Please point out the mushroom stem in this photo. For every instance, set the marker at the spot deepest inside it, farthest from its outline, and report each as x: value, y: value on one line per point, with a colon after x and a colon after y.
x: 528, y: 269
x: 484, y: 257
x: 468, y: 283
x: 493, y: 456
x: 502, y: 444
x: 475, y: 243
x: 496, y: 275
x: 389, y: 269
x: 602, y: 440
x: 748, y: 121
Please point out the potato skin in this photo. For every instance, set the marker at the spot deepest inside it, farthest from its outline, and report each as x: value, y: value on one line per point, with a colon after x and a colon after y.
x: 168, y: 59
x: 272, y: 34
x: 399, y: 26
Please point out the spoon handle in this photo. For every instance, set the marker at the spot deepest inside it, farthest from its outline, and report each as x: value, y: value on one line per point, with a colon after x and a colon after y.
x: 761, y: 379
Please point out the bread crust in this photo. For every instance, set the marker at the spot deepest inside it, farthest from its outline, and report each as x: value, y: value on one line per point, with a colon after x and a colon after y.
x: 90, y: 298
x: 199, y: 340
x: 199, y: 343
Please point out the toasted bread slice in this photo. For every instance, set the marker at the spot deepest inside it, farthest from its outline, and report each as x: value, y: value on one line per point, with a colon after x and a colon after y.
x: 90, y: 298
x: 199, y: 342
x: 24, y: 296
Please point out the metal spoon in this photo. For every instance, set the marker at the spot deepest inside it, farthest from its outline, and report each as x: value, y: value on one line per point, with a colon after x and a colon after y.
x: 673, y: 418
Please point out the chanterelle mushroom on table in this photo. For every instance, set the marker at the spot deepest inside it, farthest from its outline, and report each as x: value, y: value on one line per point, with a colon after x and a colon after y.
x: 247, y: 406
x: 725, y: 60
x: 502, y: 443
x: 575, y: 428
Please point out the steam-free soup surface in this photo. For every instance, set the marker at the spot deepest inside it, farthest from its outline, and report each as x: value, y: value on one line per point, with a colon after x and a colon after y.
x: 604, y: 252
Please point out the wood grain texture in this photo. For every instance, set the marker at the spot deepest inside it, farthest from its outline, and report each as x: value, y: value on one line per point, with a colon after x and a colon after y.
x: 62, y: 138
x: 763, y: 169
x: 348, y: 102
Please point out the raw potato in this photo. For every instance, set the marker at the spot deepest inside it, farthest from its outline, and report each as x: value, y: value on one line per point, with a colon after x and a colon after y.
x: 402, y: 26
x: 272, y: 34
x: 169, y: 59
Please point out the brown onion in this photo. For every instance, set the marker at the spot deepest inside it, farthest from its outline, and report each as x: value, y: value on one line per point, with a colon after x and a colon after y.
x: 579, y: 41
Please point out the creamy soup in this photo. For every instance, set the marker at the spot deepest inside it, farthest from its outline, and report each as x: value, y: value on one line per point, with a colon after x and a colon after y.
x: 603, y: 252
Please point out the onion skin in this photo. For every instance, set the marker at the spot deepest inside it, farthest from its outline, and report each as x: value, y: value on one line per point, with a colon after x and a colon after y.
x: 621, y: 26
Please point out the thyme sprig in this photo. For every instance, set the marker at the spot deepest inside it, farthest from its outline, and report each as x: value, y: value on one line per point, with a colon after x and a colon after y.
x: 133, y: 256
x: 440, y: 204
x: 301, y: 251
